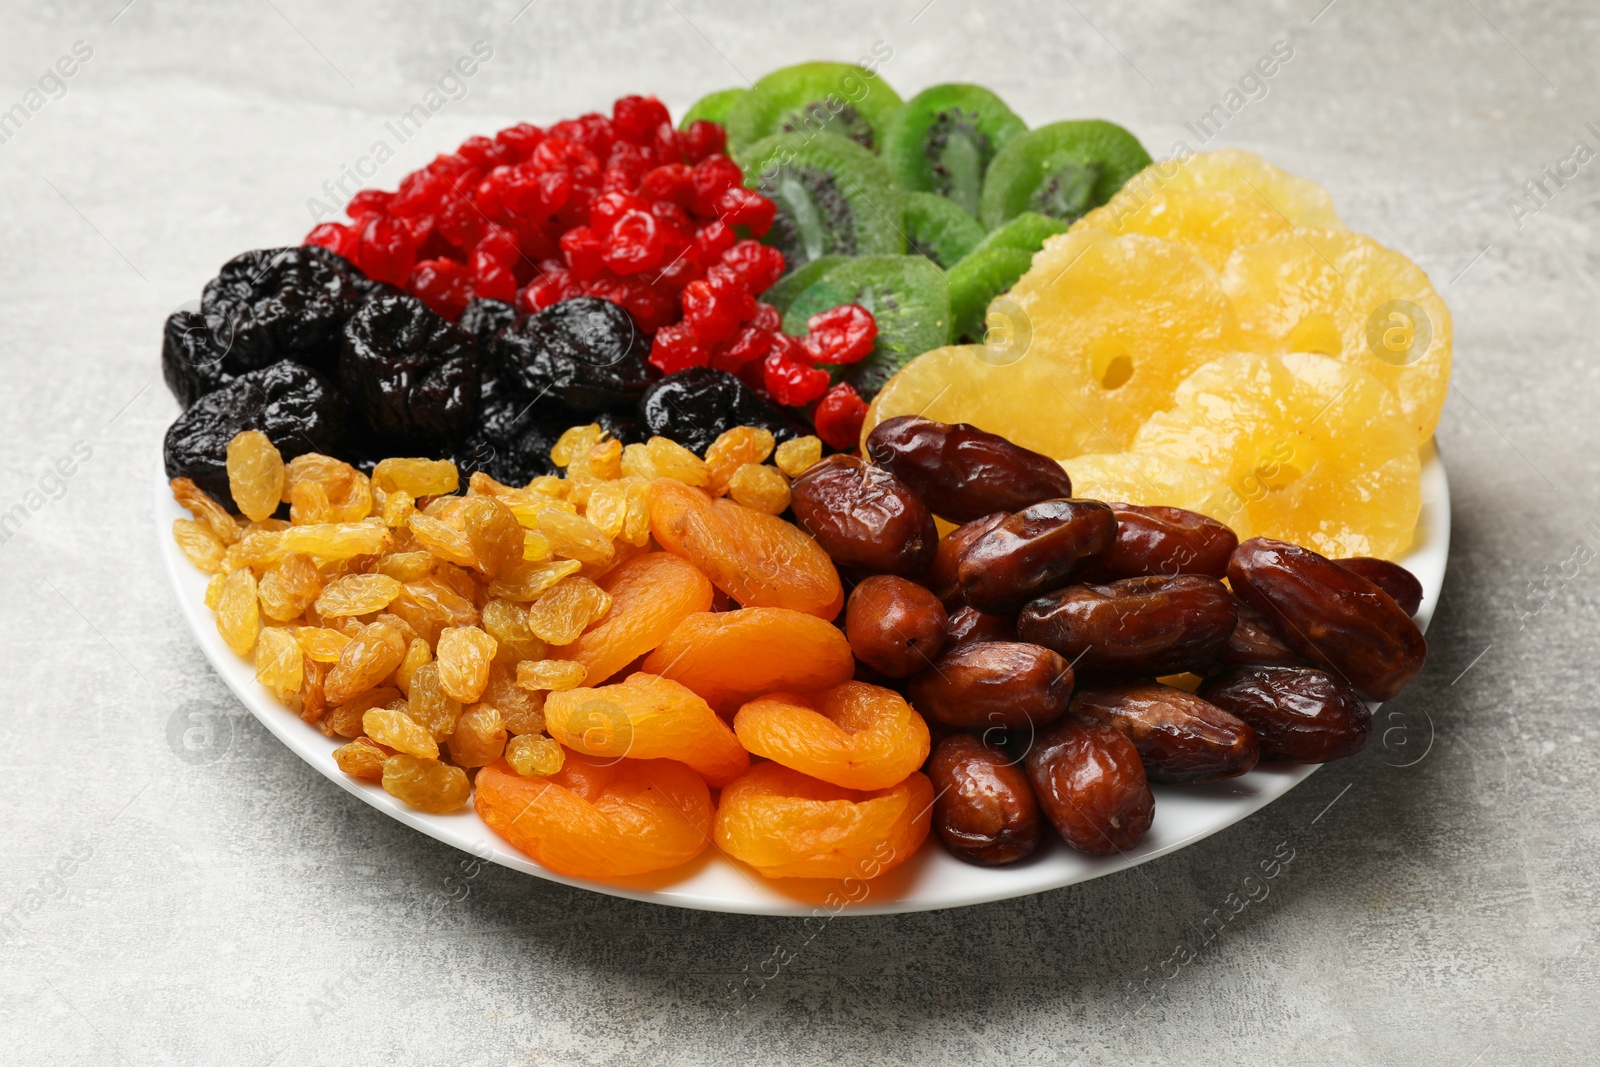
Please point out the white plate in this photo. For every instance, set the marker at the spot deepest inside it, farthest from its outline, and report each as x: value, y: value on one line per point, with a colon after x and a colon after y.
x: 931, y: 879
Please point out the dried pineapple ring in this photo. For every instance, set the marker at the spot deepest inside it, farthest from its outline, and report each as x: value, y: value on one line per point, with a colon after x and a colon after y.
x: 854, y: 735
x: 1156, y: 479
x: 788, y: 825
x: 1300, y: 201
x: 1316, y: 451
x: 646, y: 717
x: 730, y: 656
x: 1345, y: 295
x: 1211, y: 223
x: 593, y: 819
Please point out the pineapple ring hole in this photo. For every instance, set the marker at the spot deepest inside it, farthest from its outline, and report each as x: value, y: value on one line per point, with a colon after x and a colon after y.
x: 1316, y: 333
x: 1112, y: 369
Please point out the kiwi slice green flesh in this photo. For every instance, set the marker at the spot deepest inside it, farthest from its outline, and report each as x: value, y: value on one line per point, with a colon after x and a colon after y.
x: 938, y: 229
x: 909, y: 297
x: 833, y: 196
x: 791, y: 285
x: 977, y: 280
x: 1026, y: 232
x: 837, y: 98
x: 943, y: 140
x: 713, y: 107
x: 1061, y: 170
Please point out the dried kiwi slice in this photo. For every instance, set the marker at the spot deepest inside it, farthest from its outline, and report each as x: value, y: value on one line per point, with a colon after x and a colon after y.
x: 791, y: 285
x: 1026, y: 232
x: 1061, y: 170
x: 943, y: 140
x: 909, y: 297
x: 833, y: 196
x: 810, y: 98
x: 939, y: 228
x: 977, y: 280
x: 713, y: 107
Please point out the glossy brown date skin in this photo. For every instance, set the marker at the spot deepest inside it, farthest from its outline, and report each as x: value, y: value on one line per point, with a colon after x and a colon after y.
x: 895, y: 626
x: 1004, y: 685
x: 1255, y: 642
x: 1163, y: 540
x: 1182, y: 739
x: 962, y: 472
x: 1332, y: 616
x: 1091, y: 785
x: 1401, y: 585
x: 1031, y: 552
x: 984, y: 808
x: 868, y: 520
x: 1148, y: 626
x: 969, y: 625
x: 941, y: 577
x: 1299, y: 713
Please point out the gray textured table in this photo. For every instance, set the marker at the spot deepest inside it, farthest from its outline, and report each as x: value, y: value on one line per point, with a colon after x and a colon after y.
x: 210, y: 899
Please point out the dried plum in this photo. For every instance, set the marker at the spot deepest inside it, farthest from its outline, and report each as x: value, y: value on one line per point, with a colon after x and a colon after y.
x: 191, y: 367
x: 484, y: 318
x: 623, y: 428
x: 694, y: 406
x: 280, y: 303
x: 289, y: 402
x: 585, y: 353
x: 410, y: 374
x: 511, y: 442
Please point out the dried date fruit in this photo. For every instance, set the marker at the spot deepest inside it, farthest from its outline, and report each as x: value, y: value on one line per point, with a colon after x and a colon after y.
x: 895, y: 626
x: 1299, y: 713
x: 962, y: 472
x: 1002, y: 685
x: 968, y: 625
x: 1255, y: 642
x: 1182, y: 739
x: 411, y: 375
x: 585, y: 354
x: 273, y: 304
x: 1401, y: 585
x: 984, y: 809
x: 696, y: 406
x: 1332, y: 616
x: 1031, y: 552
x: 297, y: 408
x: 864, y: 517
x: 1151, y: 626
x: 942, y: 576
x: 190, y: 365
x: 1163, y: 540
x: 1091, y: 785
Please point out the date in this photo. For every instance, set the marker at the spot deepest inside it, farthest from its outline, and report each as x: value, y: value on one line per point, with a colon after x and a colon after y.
x: 1031, y: 552
x: 942, y: 577
x: 963, y: 472
x: 1401, y: 585
x: 1300, y: 713
x: 1255, y: 642
x: 1151, y: 626
x: 1003, y: 685
x: 984, y: 808
x: 895, y: 626
x: 1163, y: 540
x: 1091, y: 785
x: 868, y: 520
x: 969, y: 625
x: 1182, y: 739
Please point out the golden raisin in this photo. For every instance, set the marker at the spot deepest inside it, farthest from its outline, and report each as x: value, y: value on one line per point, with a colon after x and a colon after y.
x: 279, y: 663
x: 321, y: 489
x: 732, y: 450
x: 357, y: 594
x: 760, y: 487
x: 372, y: 654
x: 551, y: 675
x: 255, y: 474
x: 430, y: 705
x: 479, y: 737
x: 344, y: 720
x: 798, y: 455
x: 238, y: 613
x: 361, y: 758
x: 198, y: 544
x: 336, y: 540
x: 398, y: 508
x: 205, y: 510
x: 673, y: 461
x: 507, y: 622
x: 417, y: 654
x: 530, y: 580
x: 636, y: 463
x: 574, y: 537
x: 521, y: 710
x: 493, y: 535
x: 399, y: 731
x: 321, y: 644
x: 464, y: 655
x: 607, y: 507
x: 534, y: 755
x: 574, y: 442
x: 290, y: 587
x: 441, y: 538
x: 535, y: 546
x: 418, y: 477
x: 425, y: 784
x: 564, y: 612
x: 406, y: 566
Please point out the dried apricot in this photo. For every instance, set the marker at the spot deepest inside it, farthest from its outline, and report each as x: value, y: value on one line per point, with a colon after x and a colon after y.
x: 599, y: 820
x: 759, y: 560
x: 854, y: 735
x: 650, y: 595
x: 729, y: 657
x: 647, y: 717
x: 788, y: 825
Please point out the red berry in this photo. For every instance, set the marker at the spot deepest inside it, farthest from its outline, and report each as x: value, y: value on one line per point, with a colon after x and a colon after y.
x: 482, y: 150
x: 791, y: 382
x: 758, y: 266
x: 767, y: 317
x: 460, y: 222
x: 746, y: 207
x: 713, y: 176
x: 335, y: 237
x: 583, y: 250
x: 749, y: 344
x: 839, y: 416
x: 368, y: 202
x: 676, y: 348
x: 492, y: 277
x: 673, y: 182
x: 682, y: 269
x: 635, y: 244
x: 636, y: 118
x: 841, y: 335
x: 558, y: 153
x: 442, y: 284
x: 607, y: 208
x: 708, y: 312
x: 703, y: 139
x: 668, y: 144
x: 713, y: 239
x: 387, y: 250
x: 551, y: 287
x: 520, y: 140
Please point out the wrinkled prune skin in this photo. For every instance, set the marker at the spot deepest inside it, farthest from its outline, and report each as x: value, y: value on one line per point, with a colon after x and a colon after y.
x: 1164, y: 540
x: 1031, y: 552
x: 1182, y: 739
x: 1255, y: 642
x: 695, y: 406
x: 585, y: 353
x: 297, y: 408
x: 1330, y: 615
x: 962, y: 472
x: 623, y: 428
x: 511, y: 443
x: 483, y: 318
x: 411, y: 376
x: 894, y: 626
x: 1300, y: 713
x: 1148, y: 626
x: 1401, y: 585
x: 984, y: 809
x: 1091, y: 785
x: 274, y: 304
x: 994, y: 685
x: 189, y: 364
x: 866, y: 519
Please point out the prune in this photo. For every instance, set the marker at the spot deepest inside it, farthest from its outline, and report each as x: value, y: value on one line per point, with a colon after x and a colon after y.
x: 1332, y: 616
x: 984, y: 809
x: 585, y: 353
x: 1255, y: 642
x: 281, y: 303
x: 1152, y: 625
x: 1032, y: 552
x: 1163, y: 540
x: 968, y: 625
x: 190, y: 365
x: 511, y: 443
x: 942, y: 577
x: 1004, y: 685
x: 1182, y: 739
x: 1401, y: 585
x: 864, y: 517
x: 1299, y: 713
x: 895, y: 626
x: 483, y: 318
x: 411, y: 375
x: 962, y: 472
x: 296, y: 408
x: 621, y: 427
x: 1092, y: 786
x: 694, y: 407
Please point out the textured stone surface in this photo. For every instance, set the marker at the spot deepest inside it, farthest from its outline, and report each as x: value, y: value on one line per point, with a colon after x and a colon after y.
x: 222, y: 903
